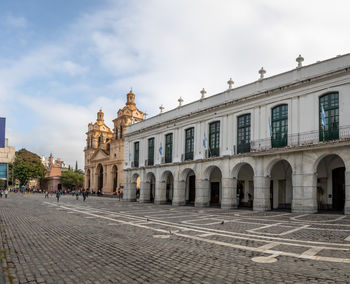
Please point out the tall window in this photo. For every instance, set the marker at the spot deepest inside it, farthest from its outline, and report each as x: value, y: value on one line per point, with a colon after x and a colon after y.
x: 100, y: 140
x: 121, y: 131
x: 189, y: 143
x: 243, y: 133
x: 169, y: 148
x: 136, y: 154
x: 329, y: 126
x: 214, y: 139
x: 150, y: 152
x: 279, y: 125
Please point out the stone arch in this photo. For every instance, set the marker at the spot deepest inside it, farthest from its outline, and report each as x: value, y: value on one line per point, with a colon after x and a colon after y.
x: 214, y: 176
x: 88, y: 179
x: 167, y: 178
x: 273, y: 162
x: 151, y: 184
x: 188, y: 178
x: 114, y: 178
x: 330, y: 181
x: 100, y: 178
x: 243, y: 173
x: 280, y: 172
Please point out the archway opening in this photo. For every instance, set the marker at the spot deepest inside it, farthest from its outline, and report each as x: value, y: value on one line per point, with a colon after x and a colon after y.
x: 169, y: 186
x: 215, y: 186
x: 100, y: 179
x: 281, y: 188
x: 88, y: 176
x: 151, y: 179
x: 245, y: 186
x: 115, y: 178
x: 190, y: 178
x: 135, y: 186
x: 331, y: 183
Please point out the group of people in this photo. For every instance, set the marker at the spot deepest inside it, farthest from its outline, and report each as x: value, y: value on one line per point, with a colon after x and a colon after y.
x: 4, y: 192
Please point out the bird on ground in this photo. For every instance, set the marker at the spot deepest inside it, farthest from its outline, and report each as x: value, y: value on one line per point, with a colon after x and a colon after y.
x: 222, y: 222
x: 147, y: 219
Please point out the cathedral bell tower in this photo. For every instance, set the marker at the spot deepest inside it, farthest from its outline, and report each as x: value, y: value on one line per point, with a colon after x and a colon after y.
x: 130, y: 98
x: 100, y: 116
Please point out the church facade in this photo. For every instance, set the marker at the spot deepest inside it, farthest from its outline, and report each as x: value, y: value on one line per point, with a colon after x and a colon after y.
x: 104, y: 151
x: 281, y: 142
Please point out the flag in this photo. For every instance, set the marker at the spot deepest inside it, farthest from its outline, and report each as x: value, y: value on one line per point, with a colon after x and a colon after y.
x: 205, y: 141
x: 161, y: 149
x: 270, y: 126
x: 323, y: 117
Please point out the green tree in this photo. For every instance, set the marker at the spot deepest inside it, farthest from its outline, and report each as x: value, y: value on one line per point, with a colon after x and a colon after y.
x: 26, y: 166
x: 72, y: 179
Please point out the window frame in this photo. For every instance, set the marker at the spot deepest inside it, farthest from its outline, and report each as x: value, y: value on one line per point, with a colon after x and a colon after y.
x: 244, y: 129
x: 168, y: 157
x: 150, y: 151
x: 214, y: 138
x: 136, y: 154
x: 279, y: 125
x: 189, y: 141
x: 331, y: 110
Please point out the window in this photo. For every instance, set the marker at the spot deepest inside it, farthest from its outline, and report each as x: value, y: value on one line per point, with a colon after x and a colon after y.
x: 214, y: 139
x: 243, y: 134
x: 116, y: 133
x: 136, y: 154
x: 150, y: 152
x: 279, y: 126
x: 329, y: 128
x: 121, y: 131
x: 189, y: 143
x: 169, y: 148
x: 100, y: 140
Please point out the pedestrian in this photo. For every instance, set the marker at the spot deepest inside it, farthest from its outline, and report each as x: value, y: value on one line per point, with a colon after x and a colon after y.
x: 46, y: 194
x: 77, y: 195
x: 58, y: 196
x: 1, y: 192
x: 119, y: 193
x: 6, y: 192
x: 84, y: 195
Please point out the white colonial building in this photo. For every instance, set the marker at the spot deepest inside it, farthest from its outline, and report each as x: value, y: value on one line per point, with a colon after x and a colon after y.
x: 279, y: 142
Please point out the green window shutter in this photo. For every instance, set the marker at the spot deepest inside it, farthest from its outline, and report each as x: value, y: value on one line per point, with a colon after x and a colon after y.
x: 214, y: 139
x: 243, y: 133
x: 330, y: 103
x: 169, y: 148
x: 151, y: 152
x: 279, y: 124
x: 136, y: 154
x: 189, y: 143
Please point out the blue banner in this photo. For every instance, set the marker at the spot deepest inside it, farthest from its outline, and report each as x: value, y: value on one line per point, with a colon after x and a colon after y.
x: 2, y: 132
x: 3, y: 171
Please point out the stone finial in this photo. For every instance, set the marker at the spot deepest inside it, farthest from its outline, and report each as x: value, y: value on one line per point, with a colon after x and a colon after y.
x: 145, y: 115
x: 300, y: 60
x: 203, y: 92
x: 180, y: 100
x: 161, y: 108
x: 262, y: 72
x: 230, y: 83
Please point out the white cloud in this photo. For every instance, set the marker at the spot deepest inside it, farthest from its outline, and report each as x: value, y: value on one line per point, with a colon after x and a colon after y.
x: 164, y: 50
x: 16, y: 22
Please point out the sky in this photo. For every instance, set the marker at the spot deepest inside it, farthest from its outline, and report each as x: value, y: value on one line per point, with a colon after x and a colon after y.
x: 60, y: 61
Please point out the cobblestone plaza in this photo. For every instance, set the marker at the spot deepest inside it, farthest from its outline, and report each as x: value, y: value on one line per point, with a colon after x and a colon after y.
x: 109, y: 241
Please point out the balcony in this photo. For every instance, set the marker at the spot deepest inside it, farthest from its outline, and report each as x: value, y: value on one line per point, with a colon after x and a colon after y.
x: 302, y: 139
x: 214, y: 152
x: 188, y: 156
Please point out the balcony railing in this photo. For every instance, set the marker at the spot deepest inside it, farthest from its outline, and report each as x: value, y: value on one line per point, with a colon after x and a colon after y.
x: 189, y: 156
x: 302, y: 139
x: 214, y: 152
x: 243, y: 148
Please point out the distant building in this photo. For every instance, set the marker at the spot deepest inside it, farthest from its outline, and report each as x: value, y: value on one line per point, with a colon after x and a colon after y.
x: 7, y: 154
x: 54, y: 170
x: 104, y: 151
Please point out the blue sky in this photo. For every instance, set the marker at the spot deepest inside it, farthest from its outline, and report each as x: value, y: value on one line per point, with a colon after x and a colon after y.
x: 60, y: 61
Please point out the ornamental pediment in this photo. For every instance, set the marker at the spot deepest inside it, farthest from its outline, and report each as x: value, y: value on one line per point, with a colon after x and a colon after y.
x: 99, y: 155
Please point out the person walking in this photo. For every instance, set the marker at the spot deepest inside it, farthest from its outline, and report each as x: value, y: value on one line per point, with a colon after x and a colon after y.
x: 119, y: 193
x: 1, y: 193
x: 58, y: 196
x: 46, y: 194
x: 77, y: 195
x: 84, y: 195
x: 6, y: 192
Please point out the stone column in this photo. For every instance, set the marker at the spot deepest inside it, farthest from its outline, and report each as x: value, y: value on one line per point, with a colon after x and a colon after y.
x: 202, y: 193
x: 261, y: 200
x: 145, y: 192
x: 304, y: 193
x: 129, y: 189
x: 347, y: 193
x: 229, y: 189
x: 160, y: 193
x: 179, y: 197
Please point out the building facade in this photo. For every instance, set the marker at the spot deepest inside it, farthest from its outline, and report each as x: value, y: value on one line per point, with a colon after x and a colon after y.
x: 281, y: 142
x: 104, y: 151
x: 7, y: 155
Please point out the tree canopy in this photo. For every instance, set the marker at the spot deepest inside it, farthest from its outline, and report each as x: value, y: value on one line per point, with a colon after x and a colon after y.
x: 72, y: 179
x: 26, y: 166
